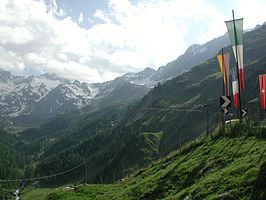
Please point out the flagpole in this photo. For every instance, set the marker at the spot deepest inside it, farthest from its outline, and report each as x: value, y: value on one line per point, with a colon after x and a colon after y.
x: 223, y: 74
x: 224, y: 85
x: 238, y: 77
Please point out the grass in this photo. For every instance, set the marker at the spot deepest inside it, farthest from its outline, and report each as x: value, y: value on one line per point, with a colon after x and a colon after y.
x: 230, y: 167
x: 31, y: 193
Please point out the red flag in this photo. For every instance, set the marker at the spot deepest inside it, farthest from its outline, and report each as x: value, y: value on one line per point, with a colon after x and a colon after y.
x: 262, y: 79
x: 235, y: 86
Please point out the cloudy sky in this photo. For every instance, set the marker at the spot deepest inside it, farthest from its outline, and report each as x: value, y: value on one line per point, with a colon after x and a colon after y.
x: 98, y: 40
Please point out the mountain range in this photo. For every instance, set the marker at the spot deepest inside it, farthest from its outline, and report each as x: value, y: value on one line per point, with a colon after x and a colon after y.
x: 31, y: 99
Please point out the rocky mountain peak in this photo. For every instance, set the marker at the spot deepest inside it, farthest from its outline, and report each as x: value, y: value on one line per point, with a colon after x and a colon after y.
x: 5, y: 76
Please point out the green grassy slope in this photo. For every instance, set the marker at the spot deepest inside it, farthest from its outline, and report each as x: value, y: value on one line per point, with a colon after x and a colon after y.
x: 230, y: 167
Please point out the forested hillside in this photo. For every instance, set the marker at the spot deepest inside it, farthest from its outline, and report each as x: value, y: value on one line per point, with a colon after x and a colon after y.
x: 225, y: 167
x: 13, y: 165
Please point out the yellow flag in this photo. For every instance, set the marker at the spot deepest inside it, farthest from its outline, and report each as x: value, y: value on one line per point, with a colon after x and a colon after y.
x: 224, y: 65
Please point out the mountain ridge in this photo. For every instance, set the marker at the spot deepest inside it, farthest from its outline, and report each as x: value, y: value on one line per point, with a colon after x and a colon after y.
x: 195, y: 55
x: 38, y: 97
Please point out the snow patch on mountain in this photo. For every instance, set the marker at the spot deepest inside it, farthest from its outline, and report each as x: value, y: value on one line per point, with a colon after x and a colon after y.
x: 19, y: 95
x: 141, y: 78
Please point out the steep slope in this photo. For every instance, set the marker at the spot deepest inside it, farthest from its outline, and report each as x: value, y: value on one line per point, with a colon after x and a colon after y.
x: 230, y: 167
x: 63, y: 98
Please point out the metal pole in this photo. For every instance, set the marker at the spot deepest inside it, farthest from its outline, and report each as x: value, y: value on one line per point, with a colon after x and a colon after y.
x: 86, y: 171
x: 223, y: 123
x: 222, y: 73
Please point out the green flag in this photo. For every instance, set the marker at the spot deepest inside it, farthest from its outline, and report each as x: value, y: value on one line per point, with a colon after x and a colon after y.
x: 239, y: 31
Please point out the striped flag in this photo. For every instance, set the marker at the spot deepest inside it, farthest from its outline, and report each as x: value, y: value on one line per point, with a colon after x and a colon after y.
x: 262, y: 79
x: 224, y: 65
x: 235, y: 86
x: 235, y: 31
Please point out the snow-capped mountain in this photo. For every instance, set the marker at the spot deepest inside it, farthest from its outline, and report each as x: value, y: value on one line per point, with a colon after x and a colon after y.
x: 141, y: 78
x: 18, y: 93
x: 23, y: 95
x: 37, y: 97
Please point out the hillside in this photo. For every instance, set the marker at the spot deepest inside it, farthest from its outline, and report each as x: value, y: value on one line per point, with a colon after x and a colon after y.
x: 230, y: 167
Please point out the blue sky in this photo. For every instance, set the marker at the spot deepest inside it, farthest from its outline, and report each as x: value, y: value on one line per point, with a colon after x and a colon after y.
x: 98, y: 40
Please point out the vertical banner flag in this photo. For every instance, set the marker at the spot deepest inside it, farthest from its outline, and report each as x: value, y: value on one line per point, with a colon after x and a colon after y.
x: 224, y: 65
x: 262, y: 79
x: 235, y: 86
x: 235, y: 31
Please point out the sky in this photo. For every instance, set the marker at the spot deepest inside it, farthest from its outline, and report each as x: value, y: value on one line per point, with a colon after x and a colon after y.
x: 99, y: 40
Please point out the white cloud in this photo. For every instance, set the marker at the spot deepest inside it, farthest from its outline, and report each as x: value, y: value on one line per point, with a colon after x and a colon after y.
x: 253, y: 12
x: 40, y: 36
x: 80, y: 18
x: 215, y: 25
